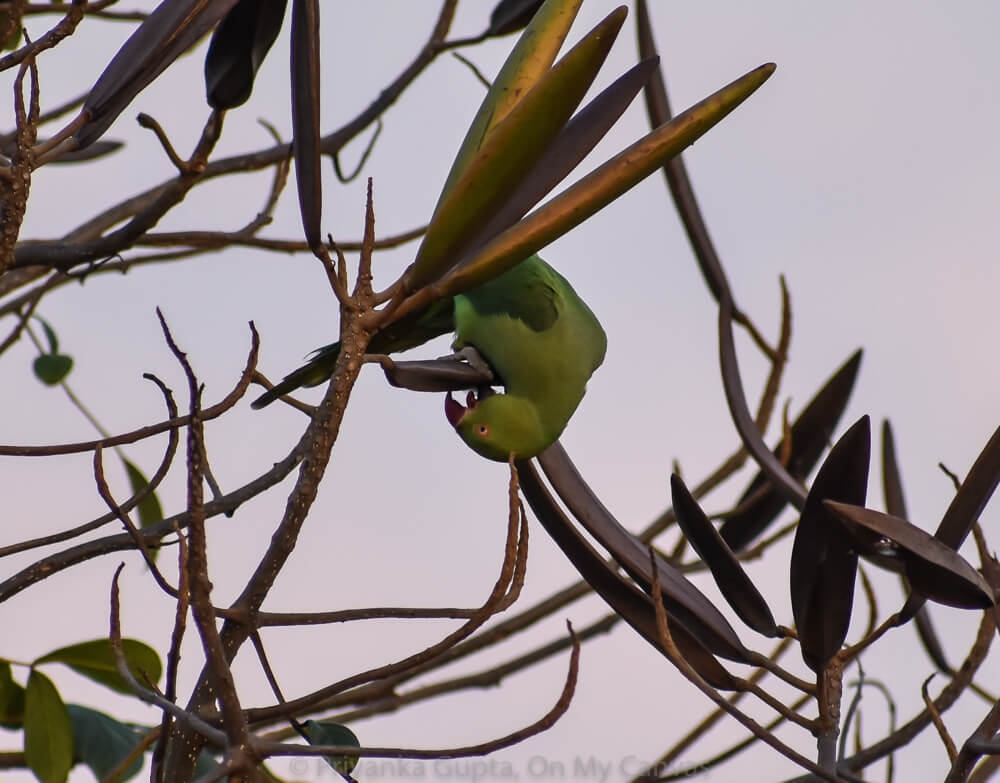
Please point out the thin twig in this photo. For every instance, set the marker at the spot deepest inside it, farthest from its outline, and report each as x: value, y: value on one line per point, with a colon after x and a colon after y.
x: 105, y: 492
x: 221, y: 676
x: 142, y: 433
x: 174, y: 654
x: 510, y: 568
x: 266, y: 619
x: 542, y: 724
x: 390, y: 700
x: 364, y: 157
x: 128, y: 505
x: 64, y: 28
x: 115, y: 637
x: 949, y: 743
x: 148, y: 122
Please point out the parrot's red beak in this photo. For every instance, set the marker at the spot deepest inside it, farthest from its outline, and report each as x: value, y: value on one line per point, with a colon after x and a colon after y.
x: 454, y: 410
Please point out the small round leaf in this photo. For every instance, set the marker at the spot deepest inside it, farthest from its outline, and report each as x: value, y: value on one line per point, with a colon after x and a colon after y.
x: 329, y: 733
x: 52, y: 368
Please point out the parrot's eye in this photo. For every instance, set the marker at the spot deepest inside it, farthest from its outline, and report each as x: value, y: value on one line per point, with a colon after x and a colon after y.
x: 484, y: 430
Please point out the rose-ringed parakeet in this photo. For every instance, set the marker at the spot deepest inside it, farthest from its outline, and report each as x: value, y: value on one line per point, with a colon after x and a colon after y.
x: 538, y: 336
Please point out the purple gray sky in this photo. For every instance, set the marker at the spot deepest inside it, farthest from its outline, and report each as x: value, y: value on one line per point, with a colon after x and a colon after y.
x: 865, y: 171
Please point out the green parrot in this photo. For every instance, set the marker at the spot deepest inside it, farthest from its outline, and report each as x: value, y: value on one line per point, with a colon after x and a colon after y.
x: 540, y: 339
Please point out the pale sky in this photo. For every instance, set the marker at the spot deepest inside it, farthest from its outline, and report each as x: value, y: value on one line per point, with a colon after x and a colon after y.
x: 865, y: 171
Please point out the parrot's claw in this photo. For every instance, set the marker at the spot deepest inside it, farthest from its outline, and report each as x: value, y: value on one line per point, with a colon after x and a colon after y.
x: 473, y: 358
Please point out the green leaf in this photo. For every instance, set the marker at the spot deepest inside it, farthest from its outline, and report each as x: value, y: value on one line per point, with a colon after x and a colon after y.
x: 102, y: 743
x: 95, y: 660
x: 52, y: 368
x: 511, y: 150
x: 48, y: 734
x: 50, y: 334
x: 531, y: 57
x: 150, y: 510
x: 329, y: 733
x: 602, y: 186
x: 11, y: 699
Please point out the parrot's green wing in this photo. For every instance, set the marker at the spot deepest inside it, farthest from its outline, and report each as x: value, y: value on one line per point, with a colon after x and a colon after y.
x: 525, y: 294
x: 415, y: 329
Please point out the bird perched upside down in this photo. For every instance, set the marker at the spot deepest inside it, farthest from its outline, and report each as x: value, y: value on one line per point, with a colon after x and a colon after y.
x: 543, y: 342
x: 538, y: 336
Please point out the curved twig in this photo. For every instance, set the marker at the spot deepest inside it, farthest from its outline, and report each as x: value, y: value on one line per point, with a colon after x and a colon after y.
x: 128, y: 505
x: 142, y: 433
x: 514, y: 555
x: 545, y: 722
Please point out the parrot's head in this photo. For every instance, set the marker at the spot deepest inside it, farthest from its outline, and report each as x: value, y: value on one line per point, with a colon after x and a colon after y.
x: 498, y: 425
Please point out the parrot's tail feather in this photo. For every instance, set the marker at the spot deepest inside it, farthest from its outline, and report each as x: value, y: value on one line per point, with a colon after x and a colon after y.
x: 313, y: 373
x: 270, y: 396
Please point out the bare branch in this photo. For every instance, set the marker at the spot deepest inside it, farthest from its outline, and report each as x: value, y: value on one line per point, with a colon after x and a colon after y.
x: 949, y: 743
x: 65, y: 27
x: 545, y: 722
x: 221, y: 676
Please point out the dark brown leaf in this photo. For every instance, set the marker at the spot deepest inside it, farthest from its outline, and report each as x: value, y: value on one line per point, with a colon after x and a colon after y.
x: 509, y: 16
x: 972, y: 496
x: 171, y: 29
x: 711, y: 267
x: 895, y: 504
x: 824, y: 564
x: 436, y: 375
x: 733, y: 582
x: 238, y: 46
x: 681, y: 190
x: 739, y: 410
x: 632, y: 604
x: 930, y: 640
x: 932, y: 569
x: 305, y: 116
x: 682, y: 600
x: 892, y: 482
x: 965, y: 507
x: 760, y: 504
x: 96, y: 150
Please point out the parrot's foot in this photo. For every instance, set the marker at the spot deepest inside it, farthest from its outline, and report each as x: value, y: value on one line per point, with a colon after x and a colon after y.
x: 473, y: 358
